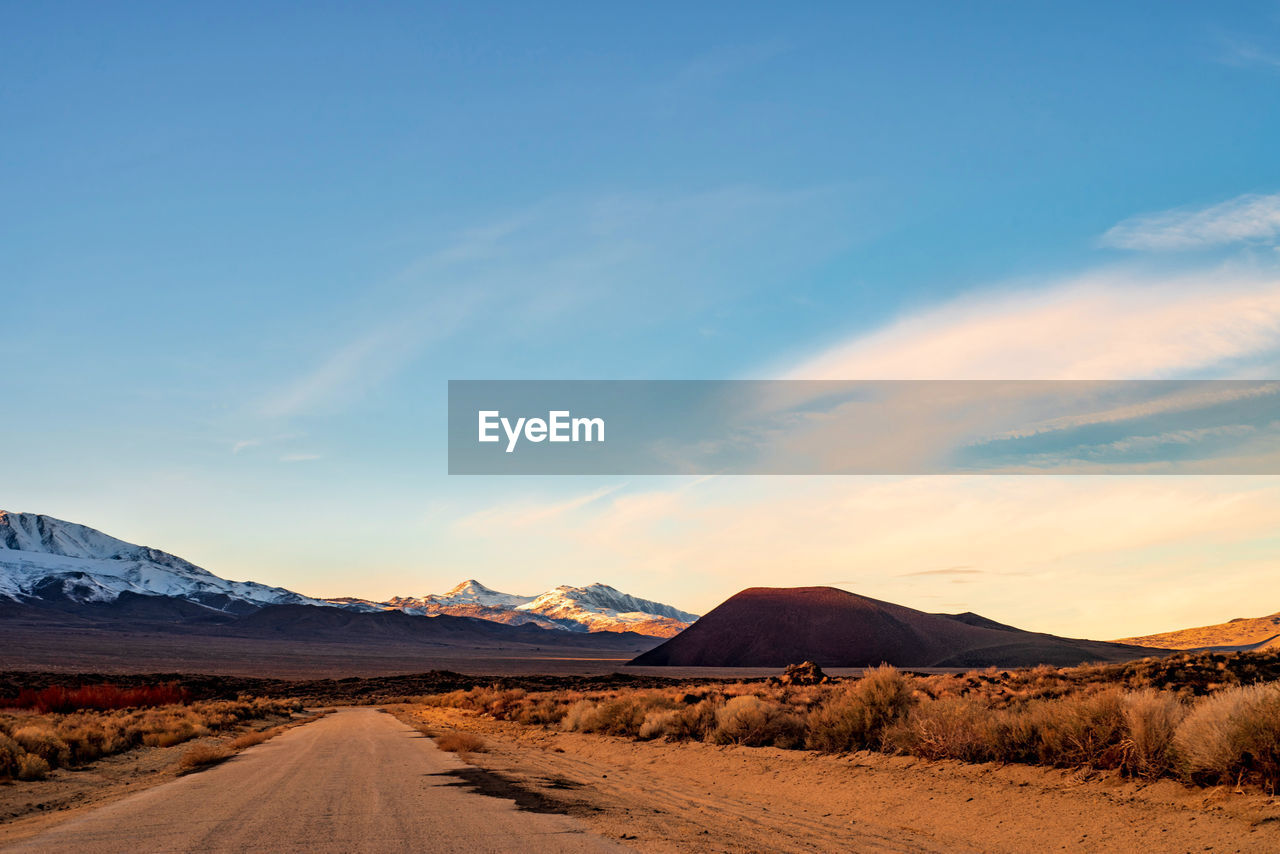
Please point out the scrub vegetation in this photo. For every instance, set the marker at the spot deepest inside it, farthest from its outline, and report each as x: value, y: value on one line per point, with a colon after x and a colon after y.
x: 1203, y: 718
x: 60, y: 728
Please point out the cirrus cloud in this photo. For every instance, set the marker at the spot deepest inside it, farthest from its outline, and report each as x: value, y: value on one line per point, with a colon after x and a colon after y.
x: 1249, y: 217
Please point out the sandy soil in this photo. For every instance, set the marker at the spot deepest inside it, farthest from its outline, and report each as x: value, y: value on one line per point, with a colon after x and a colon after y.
x: 705, y: 798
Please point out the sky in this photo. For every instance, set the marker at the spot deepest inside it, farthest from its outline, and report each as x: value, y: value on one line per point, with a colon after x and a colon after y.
x: 245, y: 246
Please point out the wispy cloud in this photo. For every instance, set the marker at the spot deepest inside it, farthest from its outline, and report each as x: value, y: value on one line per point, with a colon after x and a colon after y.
x: 607, y: 262
x: 1118, y: 324
x: 1248, y: 218
x: 523, y: 513
x: 1244, y: 53
x: 713, y: 67
x: 1161, y: 405
x: 362, y: 363
x: 953, y: 570
x: 261, y: 442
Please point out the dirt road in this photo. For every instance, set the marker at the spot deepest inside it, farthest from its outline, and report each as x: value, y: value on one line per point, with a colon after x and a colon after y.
x: 355, y: 781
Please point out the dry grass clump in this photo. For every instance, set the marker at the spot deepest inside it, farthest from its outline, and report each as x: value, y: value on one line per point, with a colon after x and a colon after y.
x: 11, y: 754
x: 249, y: 739
x: 952, y: 728
x: 1086, y: 731
x: 461, y: 742
x: 623, y: 716
x: 690, y: 723
x: 204, y: 755
x: 32, y: 767
x: 858, y: 717
x: 1233, y: 737
x: 1151, y: 720
x: 41, y: 741
x: 753, y: 722
x: 180, y: 731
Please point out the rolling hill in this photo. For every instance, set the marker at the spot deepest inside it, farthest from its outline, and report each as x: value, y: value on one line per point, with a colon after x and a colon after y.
x: 1244, y: 633
x: 773, y: 627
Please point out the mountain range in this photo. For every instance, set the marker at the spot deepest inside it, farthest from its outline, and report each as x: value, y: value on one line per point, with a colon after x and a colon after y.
x: 72, y: 593
x: 594, y: 608
x: 43, y: 559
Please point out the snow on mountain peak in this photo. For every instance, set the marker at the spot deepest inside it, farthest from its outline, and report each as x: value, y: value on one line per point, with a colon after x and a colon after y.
x: 472, y: 592
x: 601, y: 598
x: 595, y: 608
x: 43, y: 557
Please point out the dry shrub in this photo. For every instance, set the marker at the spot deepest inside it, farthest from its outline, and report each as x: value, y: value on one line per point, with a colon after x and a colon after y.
x: 695, y: 722
x: 43, y: 743
x: 966, y: 729
x: 859, y: 717
x: 204, y: 755
x: 497, y: 702
x: 57, y: 698
x: 578, y: 716
x: 249, y: 739
x: 1151, y: 717
x: 545, y: 712
x: 950, y: 728
x: 753, y: 722
x: 1233, y: 736
x: 78, y: 738
x: 168, y: 738
x: 10, y: 755
x: 1081, y: 731
x: 461, y: 742
x: 32, y: 767
x: 85, y: 741
x: 622, y: 716
x: 659, y: 723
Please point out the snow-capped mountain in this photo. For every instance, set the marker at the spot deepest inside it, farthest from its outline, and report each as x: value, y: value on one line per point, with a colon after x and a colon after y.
x: 468, y: 599
x: 599, y: 607
x: 470, y: 592
x: 595, y: 608
x: 46, y: 558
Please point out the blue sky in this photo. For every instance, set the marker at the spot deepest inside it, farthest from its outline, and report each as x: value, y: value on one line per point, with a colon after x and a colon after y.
x: 246, y: 245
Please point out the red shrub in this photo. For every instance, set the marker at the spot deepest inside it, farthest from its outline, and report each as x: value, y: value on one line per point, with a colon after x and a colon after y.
x: 102, y: 697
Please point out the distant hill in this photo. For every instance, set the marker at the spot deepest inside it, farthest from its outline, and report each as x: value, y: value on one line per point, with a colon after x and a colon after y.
x: 1245, y: 633
x: 773, y: 627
